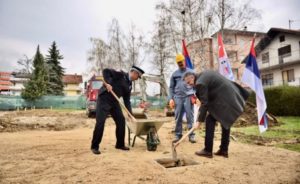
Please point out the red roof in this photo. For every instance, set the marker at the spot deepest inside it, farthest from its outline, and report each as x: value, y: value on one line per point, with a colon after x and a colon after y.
x: 4, y: 88
x: 5, y: 74
x: 72, y: 79
x: 6, y: 83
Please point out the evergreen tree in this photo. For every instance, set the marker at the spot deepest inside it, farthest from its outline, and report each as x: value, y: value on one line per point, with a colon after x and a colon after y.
x: 37, y: 85
x: 55, y: 84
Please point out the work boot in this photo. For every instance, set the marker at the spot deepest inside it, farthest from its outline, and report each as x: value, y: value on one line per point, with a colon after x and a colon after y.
x: 176, y: 139
x: 96, y: 151
x: 222, y: 153
x: 192, y: 140
x: 204, y: 153
x: 124, y: 148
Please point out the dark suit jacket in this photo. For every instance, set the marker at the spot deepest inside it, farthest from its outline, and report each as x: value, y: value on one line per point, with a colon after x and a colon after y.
x: 222, y: 98
x: 120, y: 83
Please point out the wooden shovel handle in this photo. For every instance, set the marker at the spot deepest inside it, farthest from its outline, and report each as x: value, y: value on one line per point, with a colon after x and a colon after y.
x: 122, y: 105
x: 184, y: 136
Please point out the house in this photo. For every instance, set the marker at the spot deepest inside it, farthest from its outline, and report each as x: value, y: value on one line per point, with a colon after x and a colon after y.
x: 237, y: 46
x: 5, y: 83
x: 278, y: 57
x: 72, y: 84
x: 18, y: 80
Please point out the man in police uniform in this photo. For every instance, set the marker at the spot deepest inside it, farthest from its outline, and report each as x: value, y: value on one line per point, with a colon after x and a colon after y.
x: 121, y: 83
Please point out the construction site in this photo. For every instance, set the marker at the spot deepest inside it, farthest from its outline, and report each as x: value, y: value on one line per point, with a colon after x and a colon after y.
x: 52, y: 146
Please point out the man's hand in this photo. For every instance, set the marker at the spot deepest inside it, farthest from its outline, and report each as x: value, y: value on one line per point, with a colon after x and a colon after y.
x: 197, y: 125
x: 172, y: 104
x: 108, y: 87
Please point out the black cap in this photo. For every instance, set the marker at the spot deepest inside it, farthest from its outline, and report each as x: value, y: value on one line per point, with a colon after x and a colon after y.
x: 138, y: 70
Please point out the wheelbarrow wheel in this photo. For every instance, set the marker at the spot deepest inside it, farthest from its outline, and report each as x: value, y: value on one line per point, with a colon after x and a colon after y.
x: 152, y: 140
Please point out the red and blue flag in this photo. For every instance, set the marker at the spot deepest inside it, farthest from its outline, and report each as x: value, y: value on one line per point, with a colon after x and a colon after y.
x: 188, y: 62
x: 251, y: 77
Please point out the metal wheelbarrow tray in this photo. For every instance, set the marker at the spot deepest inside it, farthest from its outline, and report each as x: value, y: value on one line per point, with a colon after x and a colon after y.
x: 144, y: 127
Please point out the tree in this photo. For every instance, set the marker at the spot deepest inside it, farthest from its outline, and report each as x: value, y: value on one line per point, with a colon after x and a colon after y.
x: 55, y: 85
x: 98, y: 56
x: 134, y: 49
x: 230, y: 14
x: 161, y: 48
x: 37, y: 85
x: 116, y: 44
x: 26, y: 64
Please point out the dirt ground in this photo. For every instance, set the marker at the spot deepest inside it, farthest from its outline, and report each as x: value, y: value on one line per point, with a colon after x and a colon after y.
x: 39, y: 153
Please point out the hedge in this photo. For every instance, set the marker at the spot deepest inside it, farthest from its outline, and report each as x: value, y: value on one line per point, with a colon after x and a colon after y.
x: 281, y: 100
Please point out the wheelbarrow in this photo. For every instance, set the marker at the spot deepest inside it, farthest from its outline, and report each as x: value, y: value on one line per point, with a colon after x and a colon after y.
x: 141, y: 127
x: 145, y: 127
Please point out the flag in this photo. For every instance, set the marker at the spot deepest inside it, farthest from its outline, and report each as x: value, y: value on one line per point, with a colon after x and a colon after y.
x: 188, y: 62
x: 251, y: 77
x: 224, y: 64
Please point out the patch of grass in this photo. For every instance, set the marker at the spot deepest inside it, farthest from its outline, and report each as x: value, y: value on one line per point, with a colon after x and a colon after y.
x: 292, y: 147
x: 288, y: 130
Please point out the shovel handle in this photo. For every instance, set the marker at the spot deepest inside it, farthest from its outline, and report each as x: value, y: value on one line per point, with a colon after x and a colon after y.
x: 184, y: 136
x: 122, y: 105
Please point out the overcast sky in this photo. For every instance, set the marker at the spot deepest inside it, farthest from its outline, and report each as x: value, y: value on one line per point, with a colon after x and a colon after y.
x: 26, y: 23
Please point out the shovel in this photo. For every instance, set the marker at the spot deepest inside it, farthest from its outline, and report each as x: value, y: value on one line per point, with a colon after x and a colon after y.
x: 174, y: 145
x: 122, y: 105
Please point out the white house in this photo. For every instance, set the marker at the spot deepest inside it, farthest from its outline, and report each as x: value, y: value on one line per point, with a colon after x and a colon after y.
x: 278, y: 57
x: 18, y: 80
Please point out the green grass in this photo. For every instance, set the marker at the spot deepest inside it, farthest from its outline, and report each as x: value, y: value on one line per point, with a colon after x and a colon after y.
x: 288, y: 130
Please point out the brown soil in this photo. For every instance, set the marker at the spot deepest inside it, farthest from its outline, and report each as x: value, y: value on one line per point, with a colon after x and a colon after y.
x: 249, y: 117
x: 43, y: 156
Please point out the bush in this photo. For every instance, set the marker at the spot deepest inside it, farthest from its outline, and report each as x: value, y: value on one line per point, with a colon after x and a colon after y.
x: 281, y: 100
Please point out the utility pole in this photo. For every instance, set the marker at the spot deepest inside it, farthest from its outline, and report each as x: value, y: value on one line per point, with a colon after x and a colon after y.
x: 290, y: 23
x: 183, y: 24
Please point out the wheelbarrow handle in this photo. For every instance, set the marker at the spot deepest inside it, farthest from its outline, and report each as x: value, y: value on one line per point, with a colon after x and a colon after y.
x: 122, y: 105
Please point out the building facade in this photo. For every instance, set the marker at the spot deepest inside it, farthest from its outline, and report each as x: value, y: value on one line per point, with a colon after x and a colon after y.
x: 278, y: 57
x: 5, y: 83
x: 72, y: 85
x: 237, y: 46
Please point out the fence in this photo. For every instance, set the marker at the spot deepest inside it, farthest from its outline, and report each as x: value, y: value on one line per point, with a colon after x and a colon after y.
x: 65, y: 102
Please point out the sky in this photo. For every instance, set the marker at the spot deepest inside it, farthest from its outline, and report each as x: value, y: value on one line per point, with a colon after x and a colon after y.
x: 24, y: 24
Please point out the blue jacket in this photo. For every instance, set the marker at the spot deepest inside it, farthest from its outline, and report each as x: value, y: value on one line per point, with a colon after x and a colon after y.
x: 178, y: 87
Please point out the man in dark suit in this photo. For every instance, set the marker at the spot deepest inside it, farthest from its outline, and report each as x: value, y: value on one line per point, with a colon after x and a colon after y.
x: 121, y: 83
x: 224, y: 100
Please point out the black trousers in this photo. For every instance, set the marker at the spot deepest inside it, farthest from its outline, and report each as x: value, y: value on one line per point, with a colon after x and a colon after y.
x: 106, y: 105
x: 210, y: 124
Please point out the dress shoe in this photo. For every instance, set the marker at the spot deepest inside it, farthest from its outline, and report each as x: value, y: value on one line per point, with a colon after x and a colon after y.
x: 122, y: 148
x: 96, y: 151
x: 204, y: 153
x: 222, y: 153
x: 192, y: 140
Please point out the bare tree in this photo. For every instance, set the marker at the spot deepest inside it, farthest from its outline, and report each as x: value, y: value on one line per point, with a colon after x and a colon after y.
x: 116, y: 43
x: 235, y: 15
x: 161, y: 49
x: 134, y: 49
x: 134, y: 46
x: 98, y: 56
x: 25, y: 64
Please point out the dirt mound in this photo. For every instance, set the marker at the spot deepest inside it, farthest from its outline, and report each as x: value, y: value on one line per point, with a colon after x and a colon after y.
x: 42, y: 119
x: 249, y: 117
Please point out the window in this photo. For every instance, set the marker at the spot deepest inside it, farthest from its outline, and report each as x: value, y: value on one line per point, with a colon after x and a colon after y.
x: 282, y: 38
x: 229, y: 39
x: 267, y: 79
x: 232, y: 55
x: 265, y: 57
x: 284, y: 52
x: 236, y: 73
x: 288, y: 76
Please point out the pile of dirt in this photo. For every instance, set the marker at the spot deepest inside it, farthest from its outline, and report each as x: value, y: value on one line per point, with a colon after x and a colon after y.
x: 249, y: 117
x: 42, y: 119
